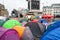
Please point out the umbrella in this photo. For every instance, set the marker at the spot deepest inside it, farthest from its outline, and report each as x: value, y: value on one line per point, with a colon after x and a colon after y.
x: 11, y: 23
x: 47, y: 15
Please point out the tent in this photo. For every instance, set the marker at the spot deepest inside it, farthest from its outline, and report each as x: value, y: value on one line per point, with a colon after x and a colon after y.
x: 36, y: 29
x: 1, y: 22
x: 11, y: 23
x: 35, y: 20
x: 8, y: 34
x: 24, y: 33
x: 19, y: 29
x: 47, y: 15
x: 52, y: 32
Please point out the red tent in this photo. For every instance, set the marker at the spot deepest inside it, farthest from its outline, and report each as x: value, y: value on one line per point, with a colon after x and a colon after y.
x: 47, y: 15
x: 35, y: 20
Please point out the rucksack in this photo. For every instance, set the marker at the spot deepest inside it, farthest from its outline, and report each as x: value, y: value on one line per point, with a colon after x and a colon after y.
x: 8, y: 34
x: 24, y: 33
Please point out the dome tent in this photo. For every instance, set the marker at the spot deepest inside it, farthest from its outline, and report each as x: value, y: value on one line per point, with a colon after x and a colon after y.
x: 52, y: 32
x: 19, y: 29
x: 3, y: 20
x: 11, y: 23
x: 24, y: 33
x: 48, y: 15
x: 8, y: 34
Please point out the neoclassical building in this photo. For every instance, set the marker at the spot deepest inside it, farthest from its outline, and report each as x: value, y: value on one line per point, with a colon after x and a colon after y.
x: 3, y: 11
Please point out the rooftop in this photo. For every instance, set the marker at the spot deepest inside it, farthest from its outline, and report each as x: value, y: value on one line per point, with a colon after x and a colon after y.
x: 56, y: 4
x: 47, y: 7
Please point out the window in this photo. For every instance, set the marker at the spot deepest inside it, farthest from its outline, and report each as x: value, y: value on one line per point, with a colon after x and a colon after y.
x: 35, y: 5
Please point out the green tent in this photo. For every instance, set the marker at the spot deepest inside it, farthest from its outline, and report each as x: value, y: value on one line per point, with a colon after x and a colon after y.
x: 1, y: 22
x: 11, y: 23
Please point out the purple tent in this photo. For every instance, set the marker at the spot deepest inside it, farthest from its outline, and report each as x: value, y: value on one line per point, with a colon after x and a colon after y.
x: 27, y: 34
x: 36, y: 28
x: 8, y: 34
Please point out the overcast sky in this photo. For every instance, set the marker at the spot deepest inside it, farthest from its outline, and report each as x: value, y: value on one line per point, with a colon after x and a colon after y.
x: 11, y: 4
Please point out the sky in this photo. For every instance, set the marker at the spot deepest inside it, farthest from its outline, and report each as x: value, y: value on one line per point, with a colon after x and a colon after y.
x: 15, y: 4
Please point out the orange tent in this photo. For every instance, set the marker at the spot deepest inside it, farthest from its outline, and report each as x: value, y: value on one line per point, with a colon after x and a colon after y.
x: 20, y: 30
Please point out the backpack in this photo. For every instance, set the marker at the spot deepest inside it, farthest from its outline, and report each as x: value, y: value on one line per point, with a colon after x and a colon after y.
x: 8, y: 34
x: 24, y: 33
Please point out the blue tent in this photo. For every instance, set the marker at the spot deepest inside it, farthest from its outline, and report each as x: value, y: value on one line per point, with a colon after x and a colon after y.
x: 52, y: 32
x: 43, y: 21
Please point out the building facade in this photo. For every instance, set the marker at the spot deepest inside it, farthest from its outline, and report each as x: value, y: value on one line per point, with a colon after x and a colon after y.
x: 34, y: 6
x: 48, y: 10
x: 54, y: 9
x: 3, y: 11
